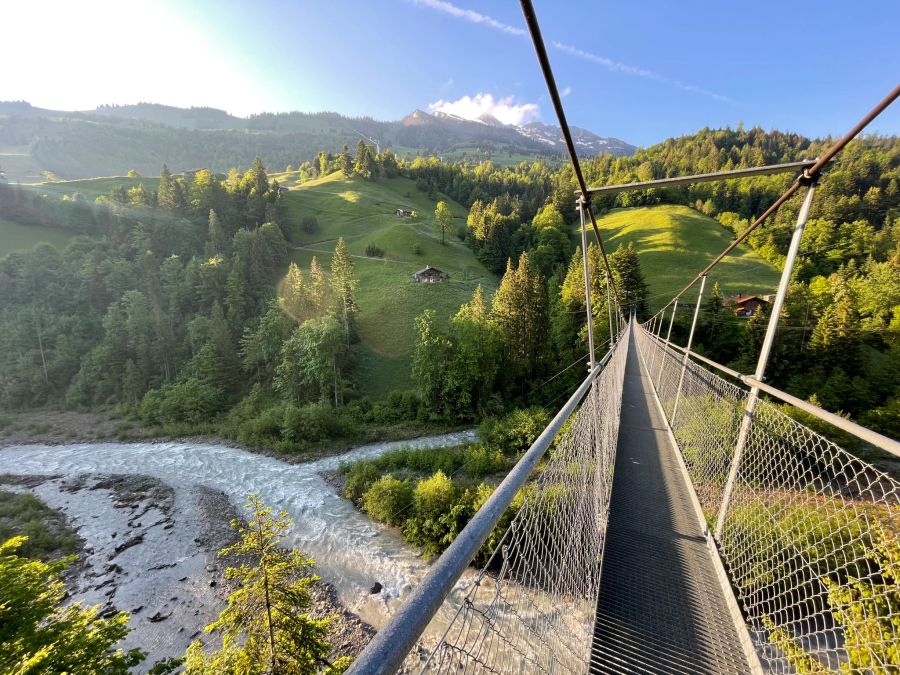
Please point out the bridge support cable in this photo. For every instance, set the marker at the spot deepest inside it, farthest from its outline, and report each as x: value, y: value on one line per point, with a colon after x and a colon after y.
x: 808, y: 176
x: 809, y: 534
x: 587, y: 289
x: 530, y: 607
x: 540, y: 49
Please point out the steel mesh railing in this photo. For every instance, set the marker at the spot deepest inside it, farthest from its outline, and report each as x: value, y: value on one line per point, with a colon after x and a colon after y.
x: 810, y: 535
x: 531, y: 608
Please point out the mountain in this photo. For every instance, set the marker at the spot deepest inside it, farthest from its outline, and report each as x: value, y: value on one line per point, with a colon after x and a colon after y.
x: 113, y: 139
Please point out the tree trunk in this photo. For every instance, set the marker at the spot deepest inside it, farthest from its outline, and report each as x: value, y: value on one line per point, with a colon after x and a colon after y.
x: 262, y: 563
x: 40, y: 338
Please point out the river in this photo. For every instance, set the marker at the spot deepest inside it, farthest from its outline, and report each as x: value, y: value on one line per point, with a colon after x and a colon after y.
x: 351, y: 552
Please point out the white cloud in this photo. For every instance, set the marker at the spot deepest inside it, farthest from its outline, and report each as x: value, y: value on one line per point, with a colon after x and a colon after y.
x: 470, y: 16
x: 612, y: 65
x: 473, y: 107
x: 617, y: 67
x: 565, y: 92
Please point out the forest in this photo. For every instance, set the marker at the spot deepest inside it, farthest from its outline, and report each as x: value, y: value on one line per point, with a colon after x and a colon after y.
x: 179, y: 305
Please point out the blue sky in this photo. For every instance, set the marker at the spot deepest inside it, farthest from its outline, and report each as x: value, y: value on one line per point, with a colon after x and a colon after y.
x: 640, y: 71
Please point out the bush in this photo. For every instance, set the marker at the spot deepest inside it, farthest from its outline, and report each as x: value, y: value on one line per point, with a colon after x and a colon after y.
x: 417, y: 249
x: 434, y: 496
x: 483, y: 461
x: 388, y: 500
x: 373, y: 251
x: 190, y: 401
x: 515, y: 432
x: 359, y: 477
x: 307, y: 423
x: 309, y: 224
x: 399, y: 406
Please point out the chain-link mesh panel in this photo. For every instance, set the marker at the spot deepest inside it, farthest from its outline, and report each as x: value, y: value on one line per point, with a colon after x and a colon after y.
x: 810, y: 537
x: 531, y: 609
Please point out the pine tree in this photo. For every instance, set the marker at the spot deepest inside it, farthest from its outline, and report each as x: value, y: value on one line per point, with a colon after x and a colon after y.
x: 42, y: 636
x: 345, y: 162
x: 166, y: 192
x: 318, y: 288
x: 217, y: 361
x: 365, y: 163
x: 343, y: 284
x: 217, y: 241
x: 519, y: 310
x: 266, y: 627
x: 293, y: 294
x: 630, y: 280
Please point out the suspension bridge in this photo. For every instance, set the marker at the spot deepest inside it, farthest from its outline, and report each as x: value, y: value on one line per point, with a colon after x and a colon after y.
x: 677, y: 516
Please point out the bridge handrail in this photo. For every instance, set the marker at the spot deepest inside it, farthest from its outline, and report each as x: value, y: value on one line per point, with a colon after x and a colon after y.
x: 390, y: 646
x: 868, y: 435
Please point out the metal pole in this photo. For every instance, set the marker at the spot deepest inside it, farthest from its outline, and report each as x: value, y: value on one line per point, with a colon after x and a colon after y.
x: 587, y: 286
x: 666, y: 348
x: 684, y: 361
x: 764, y: 354
x: 612, y: 337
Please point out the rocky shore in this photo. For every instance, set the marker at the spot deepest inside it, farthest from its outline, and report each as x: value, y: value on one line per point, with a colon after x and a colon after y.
x: 151, y: 550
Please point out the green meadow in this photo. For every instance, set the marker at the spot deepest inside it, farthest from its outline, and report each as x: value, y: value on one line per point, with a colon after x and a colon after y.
x: 364, y: 213
x: 675, y: 242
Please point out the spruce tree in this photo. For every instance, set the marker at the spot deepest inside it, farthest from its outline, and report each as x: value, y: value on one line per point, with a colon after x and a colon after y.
x: 630, y: 280
x: 519, y: 310
x: 166, y: 192
x: 343, y: 284
x: 266, y: 627
x: 345, y: 162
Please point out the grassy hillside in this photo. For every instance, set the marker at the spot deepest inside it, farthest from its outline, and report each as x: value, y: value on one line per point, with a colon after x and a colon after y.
x: 363, y: 212
x: 15, y: 237
x: 675, y: 242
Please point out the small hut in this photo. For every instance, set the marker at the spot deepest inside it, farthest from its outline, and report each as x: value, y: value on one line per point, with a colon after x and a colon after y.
x: 745, y: 305
x: 430, y: 275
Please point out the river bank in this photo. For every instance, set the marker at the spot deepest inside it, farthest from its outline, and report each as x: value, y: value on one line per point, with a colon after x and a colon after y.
x: 65, y: 427
x: 153, y: 516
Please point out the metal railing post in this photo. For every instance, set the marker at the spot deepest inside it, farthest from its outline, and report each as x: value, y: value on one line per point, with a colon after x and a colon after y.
x: 587, y: 285
x: 684, y: 361
x: 654, y: 325
x: 612, y: 336
x: 764, y: 353
x: 662, y: 361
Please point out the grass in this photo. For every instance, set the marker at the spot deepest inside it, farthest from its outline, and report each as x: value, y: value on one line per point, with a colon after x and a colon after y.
x: 92, y: 188
x: 675, y: 242
x: 389, y: 300
x: 46, y: 529
x: 16, y: 237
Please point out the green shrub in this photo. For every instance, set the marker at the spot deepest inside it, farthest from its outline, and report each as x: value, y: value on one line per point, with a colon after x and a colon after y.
x: 373, y: 251
x: 483, y: 461
x: 514, y: 433
x: 359, y: 477
x: 434, y: 496
x: 47, y: 532
x: 189, y: 401
x: 388, y: 500
x: 307, y: 423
